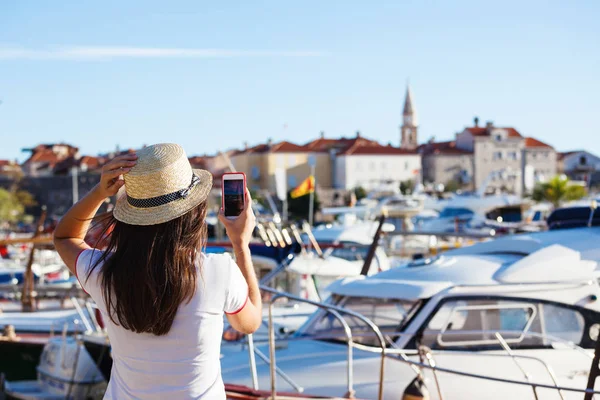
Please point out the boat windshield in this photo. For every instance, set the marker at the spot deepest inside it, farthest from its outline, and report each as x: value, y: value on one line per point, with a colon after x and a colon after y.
x: 455, y: 212
x: 506, y: 214
x: 390, y: 315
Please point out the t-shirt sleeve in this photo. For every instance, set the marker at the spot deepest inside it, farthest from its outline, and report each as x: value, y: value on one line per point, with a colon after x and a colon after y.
x: 83, y: 265
x: 237, y: 289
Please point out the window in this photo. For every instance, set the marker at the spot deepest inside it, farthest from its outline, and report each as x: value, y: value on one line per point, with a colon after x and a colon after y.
x: 498, y: 138
x: 371, y: 165
x: 582, y: 160
x: 474, y: 322
x: 513, y: 155
x: 383, y: 166
x: 291, y: 181
x: 406, y: 165
x: 506, y: 214
x: 388, y: 314
x: 358, y: 166
x: 255, y: 173
x: 455, y: 212
x: 497, y: 155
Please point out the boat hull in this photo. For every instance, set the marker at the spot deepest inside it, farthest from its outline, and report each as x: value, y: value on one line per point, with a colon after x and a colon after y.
x: 100, y: 353
x: 20, y: 358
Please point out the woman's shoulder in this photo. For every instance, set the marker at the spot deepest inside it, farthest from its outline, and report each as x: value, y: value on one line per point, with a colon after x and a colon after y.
x: 216, y: 267
x: 216, y: 260
x: 88, y: 258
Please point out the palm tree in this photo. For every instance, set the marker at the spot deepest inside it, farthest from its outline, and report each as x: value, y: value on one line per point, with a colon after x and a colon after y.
x: 558, y: 190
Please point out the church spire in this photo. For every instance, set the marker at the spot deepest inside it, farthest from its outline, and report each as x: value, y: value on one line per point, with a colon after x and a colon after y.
x: 409, y: 108
x: 408, y: 130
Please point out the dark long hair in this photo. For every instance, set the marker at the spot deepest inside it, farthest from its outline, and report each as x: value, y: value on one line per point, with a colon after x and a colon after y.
x: 147, y: 272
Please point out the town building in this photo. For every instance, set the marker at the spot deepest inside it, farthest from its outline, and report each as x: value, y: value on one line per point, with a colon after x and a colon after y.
x: 580, y: 165
x: 216, y: 164
x: 443, y: 162
x: 339, y: 164
x: 261, y: 162
x: 45, y: 157
x: 490, y: 157
x: 540, y: 163
x: 327, y: 151
x: 372, y: 166
x: 56, y: 173
x: 10, y: 169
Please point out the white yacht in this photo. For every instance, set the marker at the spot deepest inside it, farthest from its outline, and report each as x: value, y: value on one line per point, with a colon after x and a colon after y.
x: 464, y: 208
x: 308, y: 275
x: 516, y: 317
x: 510, y: 318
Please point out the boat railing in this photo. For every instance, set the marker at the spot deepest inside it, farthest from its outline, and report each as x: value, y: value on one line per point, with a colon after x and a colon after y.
x: 89, y: 321
x: 337, y: 313
x: 569, y: 344
x: 403, y: 355
x: 401, y: 352
x: 266, y: 280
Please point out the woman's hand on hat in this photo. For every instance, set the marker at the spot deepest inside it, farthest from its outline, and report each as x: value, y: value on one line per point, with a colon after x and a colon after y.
x: 240, y: 229
x: 111, y: 178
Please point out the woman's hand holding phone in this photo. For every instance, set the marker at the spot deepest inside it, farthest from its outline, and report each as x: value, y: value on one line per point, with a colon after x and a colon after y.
x: 239, y: 229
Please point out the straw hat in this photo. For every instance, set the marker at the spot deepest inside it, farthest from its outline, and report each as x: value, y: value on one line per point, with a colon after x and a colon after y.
x: 161, y: 186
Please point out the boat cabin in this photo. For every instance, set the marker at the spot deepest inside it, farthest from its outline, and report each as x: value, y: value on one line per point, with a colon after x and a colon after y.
x: 529, y: 288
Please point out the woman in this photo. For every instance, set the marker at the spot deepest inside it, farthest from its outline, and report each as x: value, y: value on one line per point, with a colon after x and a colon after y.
x: 162, y: 299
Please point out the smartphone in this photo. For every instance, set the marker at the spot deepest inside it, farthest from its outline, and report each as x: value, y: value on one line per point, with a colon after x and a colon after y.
x: 234, y: 193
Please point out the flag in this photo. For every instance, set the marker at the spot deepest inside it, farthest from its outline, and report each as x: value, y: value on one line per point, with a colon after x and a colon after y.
x: 307, y: 186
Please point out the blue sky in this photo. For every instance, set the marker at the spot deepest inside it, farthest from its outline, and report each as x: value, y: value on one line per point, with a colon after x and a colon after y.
x: 211, y: 76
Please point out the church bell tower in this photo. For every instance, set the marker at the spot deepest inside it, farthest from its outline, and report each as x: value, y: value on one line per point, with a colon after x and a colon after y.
x: 408, y: 130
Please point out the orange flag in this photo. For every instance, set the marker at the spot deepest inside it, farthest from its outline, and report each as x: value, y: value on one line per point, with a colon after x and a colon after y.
x: 307, y: 186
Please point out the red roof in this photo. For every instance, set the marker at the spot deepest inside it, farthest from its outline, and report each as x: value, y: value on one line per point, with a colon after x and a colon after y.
x: 531, y: 142
x: 477, y: 131
x: 281, y: 147
x: 344, y: 146
x: 323, y: 145
x: 45, y: 153
x: 9, y: 166
x: 370, y: 149
x: 568, y: 153
x: 92, y: 162
x: 485, y: 131
x: 287, y: 147
x: 512, y: 132
x: 357, y: 145
x: 199, y: 162
x: 443, y: 148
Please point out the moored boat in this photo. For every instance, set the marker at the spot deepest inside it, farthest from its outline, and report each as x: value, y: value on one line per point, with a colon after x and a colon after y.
x: 490, y: 317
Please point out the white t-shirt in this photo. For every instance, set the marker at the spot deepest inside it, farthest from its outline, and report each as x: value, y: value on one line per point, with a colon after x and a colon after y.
x: 184, y: 363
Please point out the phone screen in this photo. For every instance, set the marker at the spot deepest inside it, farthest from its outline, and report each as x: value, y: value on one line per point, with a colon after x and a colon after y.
x: 233, y: 191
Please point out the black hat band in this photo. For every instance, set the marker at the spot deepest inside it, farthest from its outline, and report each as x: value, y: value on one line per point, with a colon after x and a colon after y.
x: 165, y: 198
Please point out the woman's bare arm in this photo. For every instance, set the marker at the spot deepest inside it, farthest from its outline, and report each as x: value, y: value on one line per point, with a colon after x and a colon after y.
x: 73, y: 226
x: 249, y: 319
x: 239, y: 231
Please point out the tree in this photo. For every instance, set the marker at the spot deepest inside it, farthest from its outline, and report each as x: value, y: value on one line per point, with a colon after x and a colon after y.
x: 25, y: 198
x: 452, y: 186
x: 557, y: 191
x: 298, y: 207
x: 12, y: 204
x: 259, y: 198
x: 406, y: 187
x: 360, y: 192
